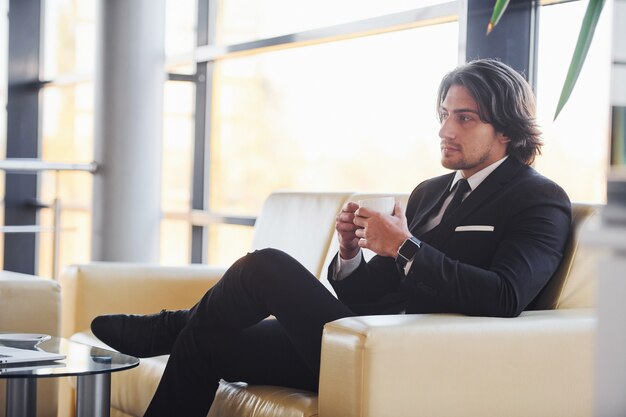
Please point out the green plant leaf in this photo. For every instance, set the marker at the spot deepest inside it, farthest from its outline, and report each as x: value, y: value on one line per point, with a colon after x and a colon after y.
x: 498, y: 11
x: 590, y: 21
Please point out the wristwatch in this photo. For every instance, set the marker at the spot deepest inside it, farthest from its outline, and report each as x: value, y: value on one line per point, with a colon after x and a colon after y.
x: 407, y: 251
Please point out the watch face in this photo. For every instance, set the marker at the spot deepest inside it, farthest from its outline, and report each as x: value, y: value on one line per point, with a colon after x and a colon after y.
x: 409, y: 248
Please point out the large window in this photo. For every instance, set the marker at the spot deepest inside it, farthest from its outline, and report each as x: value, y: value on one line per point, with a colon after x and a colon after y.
x: 178, y: 133
x: 576, y: 147
x: 67, y: 129
x: 349, y: 115
x: 358, y: 114
x: 284, y: 119
x: 69, y: 40
x: 350, y: 111
x: 177, y: 171
x: 245, y: 20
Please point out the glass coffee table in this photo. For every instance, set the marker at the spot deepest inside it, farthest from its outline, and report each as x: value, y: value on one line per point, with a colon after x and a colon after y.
x: 92, y: 366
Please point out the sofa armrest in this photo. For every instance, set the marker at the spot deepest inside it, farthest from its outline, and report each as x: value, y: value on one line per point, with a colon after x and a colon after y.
x: 108, y: 288
x: 538, y: 364
x: 29, y: 304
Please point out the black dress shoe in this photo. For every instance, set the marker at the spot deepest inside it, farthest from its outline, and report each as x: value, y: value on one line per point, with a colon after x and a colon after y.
x: 142, y: 336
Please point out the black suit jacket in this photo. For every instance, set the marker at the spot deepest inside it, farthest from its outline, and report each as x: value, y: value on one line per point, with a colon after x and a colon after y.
x: 461, y: 270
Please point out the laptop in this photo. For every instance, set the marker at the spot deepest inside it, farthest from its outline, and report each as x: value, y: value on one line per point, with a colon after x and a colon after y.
x: 9, y: 355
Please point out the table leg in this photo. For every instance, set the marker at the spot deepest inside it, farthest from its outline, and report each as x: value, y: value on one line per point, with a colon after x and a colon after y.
x: 93, y: 395
x: 21, y: 400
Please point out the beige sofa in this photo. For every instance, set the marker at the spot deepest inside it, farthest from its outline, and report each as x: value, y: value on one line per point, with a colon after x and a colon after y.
x: 29, y: 304
x: 539, y: 364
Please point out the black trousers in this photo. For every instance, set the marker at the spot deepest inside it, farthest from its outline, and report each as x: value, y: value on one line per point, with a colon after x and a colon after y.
x: 228, y: 335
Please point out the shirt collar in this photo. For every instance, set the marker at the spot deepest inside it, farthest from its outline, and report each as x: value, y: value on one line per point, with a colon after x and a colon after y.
x: 475, y: 180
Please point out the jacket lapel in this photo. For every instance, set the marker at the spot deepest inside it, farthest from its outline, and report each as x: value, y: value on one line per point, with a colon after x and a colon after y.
x: 491, y: 186
x: 432, y: 203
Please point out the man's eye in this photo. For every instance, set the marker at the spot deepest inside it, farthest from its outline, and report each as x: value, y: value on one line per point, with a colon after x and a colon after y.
x: 465, y: 118
x: 443, y: 116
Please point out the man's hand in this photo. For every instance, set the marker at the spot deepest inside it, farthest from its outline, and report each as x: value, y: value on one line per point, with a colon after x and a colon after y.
x: 348, y: 241
x: 381, y: 233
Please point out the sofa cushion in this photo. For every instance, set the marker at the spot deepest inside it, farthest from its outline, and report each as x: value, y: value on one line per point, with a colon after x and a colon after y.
x: 132, y: 390
x: 236, y: 399
x: 300, y: 224
x: 97, y: 288
x: 574, y: 283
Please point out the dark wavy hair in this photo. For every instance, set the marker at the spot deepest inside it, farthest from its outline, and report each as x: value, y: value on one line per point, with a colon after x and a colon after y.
x: 504, y: 99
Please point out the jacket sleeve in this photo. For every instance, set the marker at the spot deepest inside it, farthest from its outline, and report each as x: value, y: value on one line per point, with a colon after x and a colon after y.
x: 524, y: 259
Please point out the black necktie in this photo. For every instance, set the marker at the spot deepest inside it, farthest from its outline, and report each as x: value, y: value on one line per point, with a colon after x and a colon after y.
x: 462, y: 186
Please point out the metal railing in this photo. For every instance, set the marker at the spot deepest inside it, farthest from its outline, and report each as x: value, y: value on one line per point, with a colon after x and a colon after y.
x: 193, y: 217
x: 21, y: 165
x: 207, y: 218
x: 29, y: 165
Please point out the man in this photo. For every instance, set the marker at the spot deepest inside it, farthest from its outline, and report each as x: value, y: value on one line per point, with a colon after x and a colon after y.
x: 483, y: 240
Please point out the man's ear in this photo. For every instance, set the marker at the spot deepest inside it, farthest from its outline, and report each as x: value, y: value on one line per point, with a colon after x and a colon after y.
x: 502, y: 138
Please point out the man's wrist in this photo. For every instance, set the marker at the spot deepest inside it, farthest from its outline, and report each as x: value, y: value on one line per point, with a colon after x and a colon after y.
x: 349, y: 255
x: 407, y: 250
x: 345, y: 267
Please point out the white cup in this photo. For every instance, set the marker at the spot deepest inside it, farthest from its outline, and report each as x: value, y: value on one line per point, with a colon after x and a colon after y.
x: 380, y: 204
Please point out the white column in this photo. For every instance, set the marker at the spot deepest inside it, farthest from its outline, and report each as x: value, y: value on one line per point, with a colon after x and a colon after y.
x: 128, y: 130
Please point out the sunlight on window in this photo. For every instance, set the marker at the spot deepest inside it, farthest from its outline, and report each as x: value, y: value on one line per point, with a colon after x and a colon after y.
x: 350, y: 115
x: 67, y: 128
x: 354, y: 115
x: 576, y: 145
x: 67, y: 136
x: 70, y: 35
x: 175, y: 242
x: 180, y: 26
x: 178, y: 133
x: 246, y: 20
x: 177, y: 166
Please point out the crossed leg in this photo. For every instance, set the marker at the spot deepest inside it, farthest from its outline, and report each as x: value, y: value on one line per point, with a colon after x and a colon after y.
x: 227, y: 337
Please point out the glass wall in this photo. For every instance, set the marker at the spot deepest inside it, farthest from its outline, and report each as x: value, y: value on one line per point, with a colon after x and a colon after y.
x: 349, y: 115
x: 67, y: 126
x: 247, y: 20
x: 69, y: 40
x: 180, y: 27
x: 67, y: 106
x: 178, y: 133
x: 355, y: 113
x: 293, y: 106
x: 335, y: 116
x: 576, y: 147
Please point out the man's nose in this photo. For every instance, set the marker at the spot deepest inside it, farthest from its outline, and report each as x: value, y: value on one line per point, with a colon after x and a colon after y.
x: 446, y: 130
